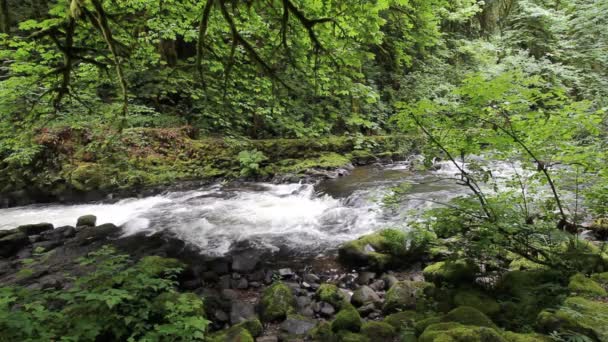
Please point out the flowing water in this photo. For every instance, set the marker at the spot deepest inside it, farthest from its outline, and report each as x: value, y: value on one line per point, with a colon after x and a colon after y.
x: 302, y: 217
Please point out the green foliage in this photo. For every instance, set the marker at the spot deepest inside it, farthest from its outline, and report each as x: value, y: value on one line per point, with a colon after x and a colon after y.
x: 115, y: 300
x: 250, y: 162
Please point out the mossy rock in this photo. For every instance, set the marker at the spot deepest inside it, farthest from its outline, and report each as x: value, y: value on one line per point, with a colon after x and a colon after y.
x: 581, y: 285
x: 515, y: 337
x: 451, y: 271
x: 331, y: 294
x: 477, y: 300
x: 323, y: 333
x: 601, y: 278
x: 421, y: 325
x: 254, y: 326
x: 349, y: 336
x: 456, y: 332
x: 577, y: 314
x: 379, y: 250
x: 406, y: 295
x: 347, y: 319
x: 378, y: 331
x: 522, y: 264
x: 403, y: 319
x: 600, y: 228
x: 234, y: 334
x: 277, y: 302
x: 469, y: 316
x: 585, y: 257
x: 408, y: 336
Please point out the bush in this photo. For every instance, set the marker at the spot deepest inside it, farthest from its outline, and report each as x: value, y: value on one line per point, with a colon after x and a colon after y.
x: 113, y: 302
x: 250, y: 162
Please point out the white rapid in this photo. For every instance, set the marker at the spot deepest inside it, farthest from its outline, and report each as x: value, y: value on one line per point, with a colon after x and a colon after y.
x: 301, y: 217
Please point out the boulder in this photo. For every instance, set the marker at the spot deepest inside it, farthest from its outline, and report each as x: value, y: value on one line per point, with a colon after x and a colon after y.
x: 241, y: 311
x: 347, y: 319
x: 246, y: 261
x: 405, y: 295
x: 469, y: 316
x: 457, y: 332
x: 577, y: 314
x: 277, y: 302
x: 477, y: 300
x: 581, y: 285
x: 11, y: 244
x: 403, y: 320
x: 35, y: 229
x: 378, y: 250
x: 99, y: 233
x: 331, y: 294
x: 378, y: 331
x: 297, y: 325
x: 86, y: 221
x: 365, y: 278
x: 364, y: 295
x: 451, y: 271
x: 59, y: 233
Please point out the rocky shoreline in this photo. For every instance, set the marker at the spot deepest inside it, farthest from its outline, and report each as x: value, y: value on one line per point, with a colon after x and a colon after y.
x: 360, y: 294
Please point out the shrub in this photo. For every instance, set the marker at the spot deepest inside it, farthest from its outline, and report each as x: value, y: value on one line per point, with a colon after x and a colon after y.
x: 250, y: 162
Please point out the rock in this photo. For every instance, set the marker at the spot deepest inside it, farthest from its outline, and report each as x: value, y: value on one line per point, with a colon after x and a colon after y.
x: 99, y: 233
x: 389, y: 281
x: 268, y: 277
x: 311, y: 278
x: 405, y: 295
x: 326, y: 309
x: 305, y: 285
x: 11, y: 244
x: 256, y: 276
x: 331, y: 294
x: 35, y: 229
x: 379, y: 285
x: 404, y: 319
x: 241, y: 311
x: 242, y: 332
x: 577, y: 314
x: 297, y: 325
x: 255, y: 284
x: 365, y: 278
x: 220, y: 316
x: 267, y: 339
x: 581, y: 285
x: 240, y: 284
x: 457, y: 332
x: 307, y: 311
x: 86, y: 221
x: 477, y: 300
x: 452, y: 272
x: 364, y: 295
x: 246, y: 262
x: 379, y: 250
x: 229, y: 294
x: 378, y: 331
x: 224, y: 282
x: 286, y: 272
x: 347, y: 319
x: 220, y: 266
x: 469, y: 316
x: 209, y: 276
x: 47, y: 245
x: 303, y: 301
x: 365, y: 310
x: 277, y: 301
x: 59, y: 233
x: 599, y: 227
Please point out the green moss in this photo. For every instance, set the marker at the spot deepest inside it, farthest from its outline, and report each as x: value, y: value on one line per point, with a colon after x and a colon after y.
x: 579, y: 284
x: 405, y: 295
x: 347, y: 319
x: 24, y: 273
x: 379, y: 250
x: 88, y: 176
x: 323, y: 333
x: 515, y: 337
x: 600, y: 228
x: 456, y: 332
x: 254, y: 326
x: 331, y: 294
x: 477, y: 300
x: 601, y: 278
x: 325, y: 161
x: 403, y: 319
x: 277, y: 301
x: 469, y: 316
x: 453, y: 272
x: 421, y: 325
x: 522, y: 264
x: 378, y: 331
x: 577, y: 314
x: 234, y: 334
x: 348, y: 336
x: 155, y: 265
x: 585, y: 257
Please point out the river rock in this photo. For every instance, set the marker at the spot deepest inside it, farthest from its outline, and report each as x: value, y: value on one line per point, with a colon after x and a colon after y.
x: 286, y: 272
x: 267, y: 339
x: 296, y: 325
x: 86, y: 221
x: 365, y: 278
x: 11, y: 244
x: 389, y: 281
x: 256, y: 276
x: 364, y: 295
x: 220, y: 266
x: 59, y: 233
x: 404, y: 295
x: 224, y: 282
x: 35, y: 229
x: 277, y: 301
x: 245, y: 262
x: 367, y: 309
x: 240, y: 284
x: 47, y: 245
x: 378, y: 285
x: 326, y: 309
x: 99, y: 233
x: 241, y: 311
x: 311, y: 278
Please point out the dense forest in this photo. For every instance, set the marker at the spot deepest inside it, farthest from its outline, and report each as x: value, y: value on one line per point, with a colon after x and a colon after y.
x: 126, y: 98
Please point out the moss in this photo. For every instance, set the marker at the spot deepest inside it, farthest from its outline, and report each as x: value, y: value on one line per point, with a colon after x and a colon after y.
x: 421, y: 325
x: 403, y: 319
x: 579, y: 284
x: 155, y: 265
x: 601, y: 278
x: 277, y: 301
x: 348, y: 336
x: 459, y: 333
x: 88, y: 176
x: 477, y: 300
x: 515, y: 337
x: 254, y: 326
x: 522, y: 264
x: 323, y: 333
x: 405, y: 295
x: 379, y: 250
x: 408, y: 336
x: 234, y: 334
x: 453, y: 272
x: 585, y: 257
x: 577, y: 314
x: 469, y: 316
x: 347, y: 319
x: 331, y: 294
x: 600, y: 228
x: 324, y: 161
x: 378, y: 331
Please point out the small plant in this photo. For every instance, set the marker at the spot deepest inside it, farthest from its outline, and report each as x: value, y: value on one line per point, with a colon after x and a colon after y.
x: 250, y: 162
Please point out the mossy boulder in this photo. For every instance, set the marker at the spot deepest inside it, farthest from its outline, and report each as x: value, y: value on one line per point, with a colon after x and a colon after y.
x: 277, y: 302
x: 378, y: 331
x: 601, y: 278
x: 477, y: 300
x: 86, y: 221
x: 469, y: 316
x: 515, y: 337
x: 422, y: 324
x: 581, y: 285
x: 403, y: 319
x: 35, y: 229
x: 347, y: 319
x: 406, y: 295
x: 234, y: 334
x: 379, y: 250
x: 577, y: 314
x: 254, y: 326
x: 348, y: 336
x: 323, y: 333
x: 451, y: 271
x: 456, y: 332
x: 585, y: 256
x: 331, y: 294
